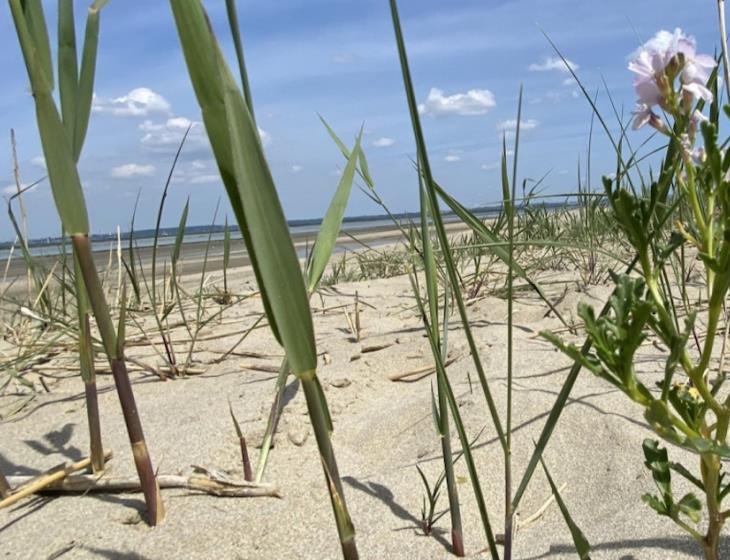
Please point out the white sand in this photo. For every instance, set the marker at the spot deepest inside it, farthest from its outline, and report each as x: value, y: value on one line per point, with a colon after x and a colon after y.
x: 382, y: 429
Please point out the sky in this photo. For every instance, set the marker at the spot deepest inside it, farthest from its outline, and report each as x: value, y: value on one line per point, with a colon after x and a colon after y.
x: 338, y: 59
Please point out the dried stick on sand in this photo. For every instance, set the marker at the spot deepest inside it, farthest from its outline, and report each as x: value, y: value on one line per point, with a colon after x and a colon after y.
x: 209, y: 483
x: 25, y: 486
x: 418, y: 373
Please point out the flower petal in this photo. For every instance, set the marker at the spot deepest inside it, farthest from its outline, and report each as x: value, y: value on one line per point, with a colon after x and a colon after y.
x: 648, y: 92
x: 698, y: 90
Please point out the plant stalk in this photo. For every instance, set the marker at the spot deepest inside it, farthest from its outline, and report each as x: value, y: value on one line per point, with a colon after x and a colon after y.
x: 723, y: 42
x: 88, y: 373
x: 321, y: 424
x: 115, y: 354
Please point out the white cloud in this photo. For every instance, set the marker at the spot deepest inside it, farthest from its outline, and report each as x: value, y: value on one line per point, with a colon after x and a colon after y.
x: 473, y: 102
x: 166, y: 136
x: 295, y: 168
x: 205, y: 179
x: 511, y: 125
x: 132, y: 170
x: 265, y: 137
x: 383, y: 142
x: 139, y: 102
x: 490, y: 166
x: 551, y: 63
x: 453, y: 156
x: 10, y: 190
x: 197, y: 172
x: 38, y: 161
x: 345, y: 58
x: 570, y: 81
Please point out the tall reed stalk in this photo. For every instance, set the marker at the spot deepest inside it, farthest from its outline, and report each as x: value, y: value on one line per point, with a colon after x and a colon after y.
x: 505, y: 251
x: 246, y: 176
x: 61, y: 150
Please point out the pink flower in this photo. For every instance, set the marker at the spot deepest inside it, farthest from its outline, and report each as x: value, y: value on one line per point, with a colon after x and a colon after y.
x: 697, y: 67
x: 657, y: 63
x: 642, y: 115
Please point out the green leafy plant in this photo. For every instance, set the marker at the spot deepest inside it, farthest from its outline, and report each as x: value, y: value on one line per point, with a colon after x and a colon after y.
x: 252, y: 193
x: 62, y: 136
x: 687, y: 406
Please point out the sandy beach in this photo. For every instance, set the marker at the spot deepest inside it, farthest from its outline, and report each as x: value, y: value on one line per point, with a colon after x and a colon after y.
x: 383, y: 429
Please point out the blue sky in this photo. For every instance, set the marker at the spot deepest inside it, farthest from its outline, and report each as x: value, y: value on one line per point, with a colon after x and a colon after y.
x: 338, y: 58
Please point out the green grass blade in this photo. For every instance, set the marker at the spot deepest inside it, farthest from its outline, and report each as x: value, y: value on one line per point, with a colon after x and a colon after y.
x: 62, y: 172
x: 85, y: 88
x: 202, y: 59
x: 244, y: 168
x: 180, y: 235
x: 440, y: 411
x: 449, y: 266
x: 246, y: 175
x: 280, y: 270
x: 506, y: 199
x: 582, y: 546
x: 510, y: 191
x: 238, y: 44
x: 67, y: 66
x: 497, y: 244
x: 332, y: 222
x: 36, y: 20
x: 438, y: 222
x: 226, y: 245
x: 459, y: 424
x: 429, y: 263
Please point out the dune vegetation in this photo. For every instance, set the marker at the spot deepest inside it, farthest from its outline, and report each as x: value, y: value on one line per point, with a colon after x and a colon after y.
x: 626, y: 283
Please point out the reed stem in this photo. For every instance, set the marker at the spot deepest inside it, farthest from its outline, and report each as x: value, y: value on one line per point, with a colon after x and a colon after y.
x: 723, y: 42
x: 115, y: 354
x: 322, y: 429
x: 88, y: 373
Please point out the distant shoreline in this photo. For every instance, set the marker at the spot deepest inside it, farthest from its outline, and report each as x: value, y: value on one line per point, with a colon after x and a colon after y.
x: 193, y: 252
x: 298, y: 227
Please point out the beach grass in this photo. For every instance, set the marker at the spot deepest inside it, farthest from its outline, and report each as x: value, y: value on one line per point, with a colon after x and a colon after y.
x: 658, y: 239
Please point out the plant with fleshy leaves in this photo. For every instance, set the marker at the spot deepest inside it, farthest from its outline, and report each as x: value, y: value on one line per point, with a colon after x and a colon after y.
x: 687, y: 407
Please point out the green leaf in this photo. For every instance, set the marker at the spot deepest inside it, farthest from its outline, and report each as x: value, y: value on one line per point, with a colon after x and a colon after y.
x: 247, y: 177
x: 682, y: 470
x: 180, y: 235
x: 496, y: 244
x: 691, y: 506
x: 85, y: 88
x: 36, y: 21
x: 122, y: 324
x: 506, y: 199
x: 676, y: 348
x: 582, y: 546
x: 67, y: 66
x: 656, y: 504
x: 657, y: 461
x: 238, y: 44
x: 60, y: 161
x: 201, y: 56
x: 330, y: 228
x: 226, y: 245
x: 658, y: 415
